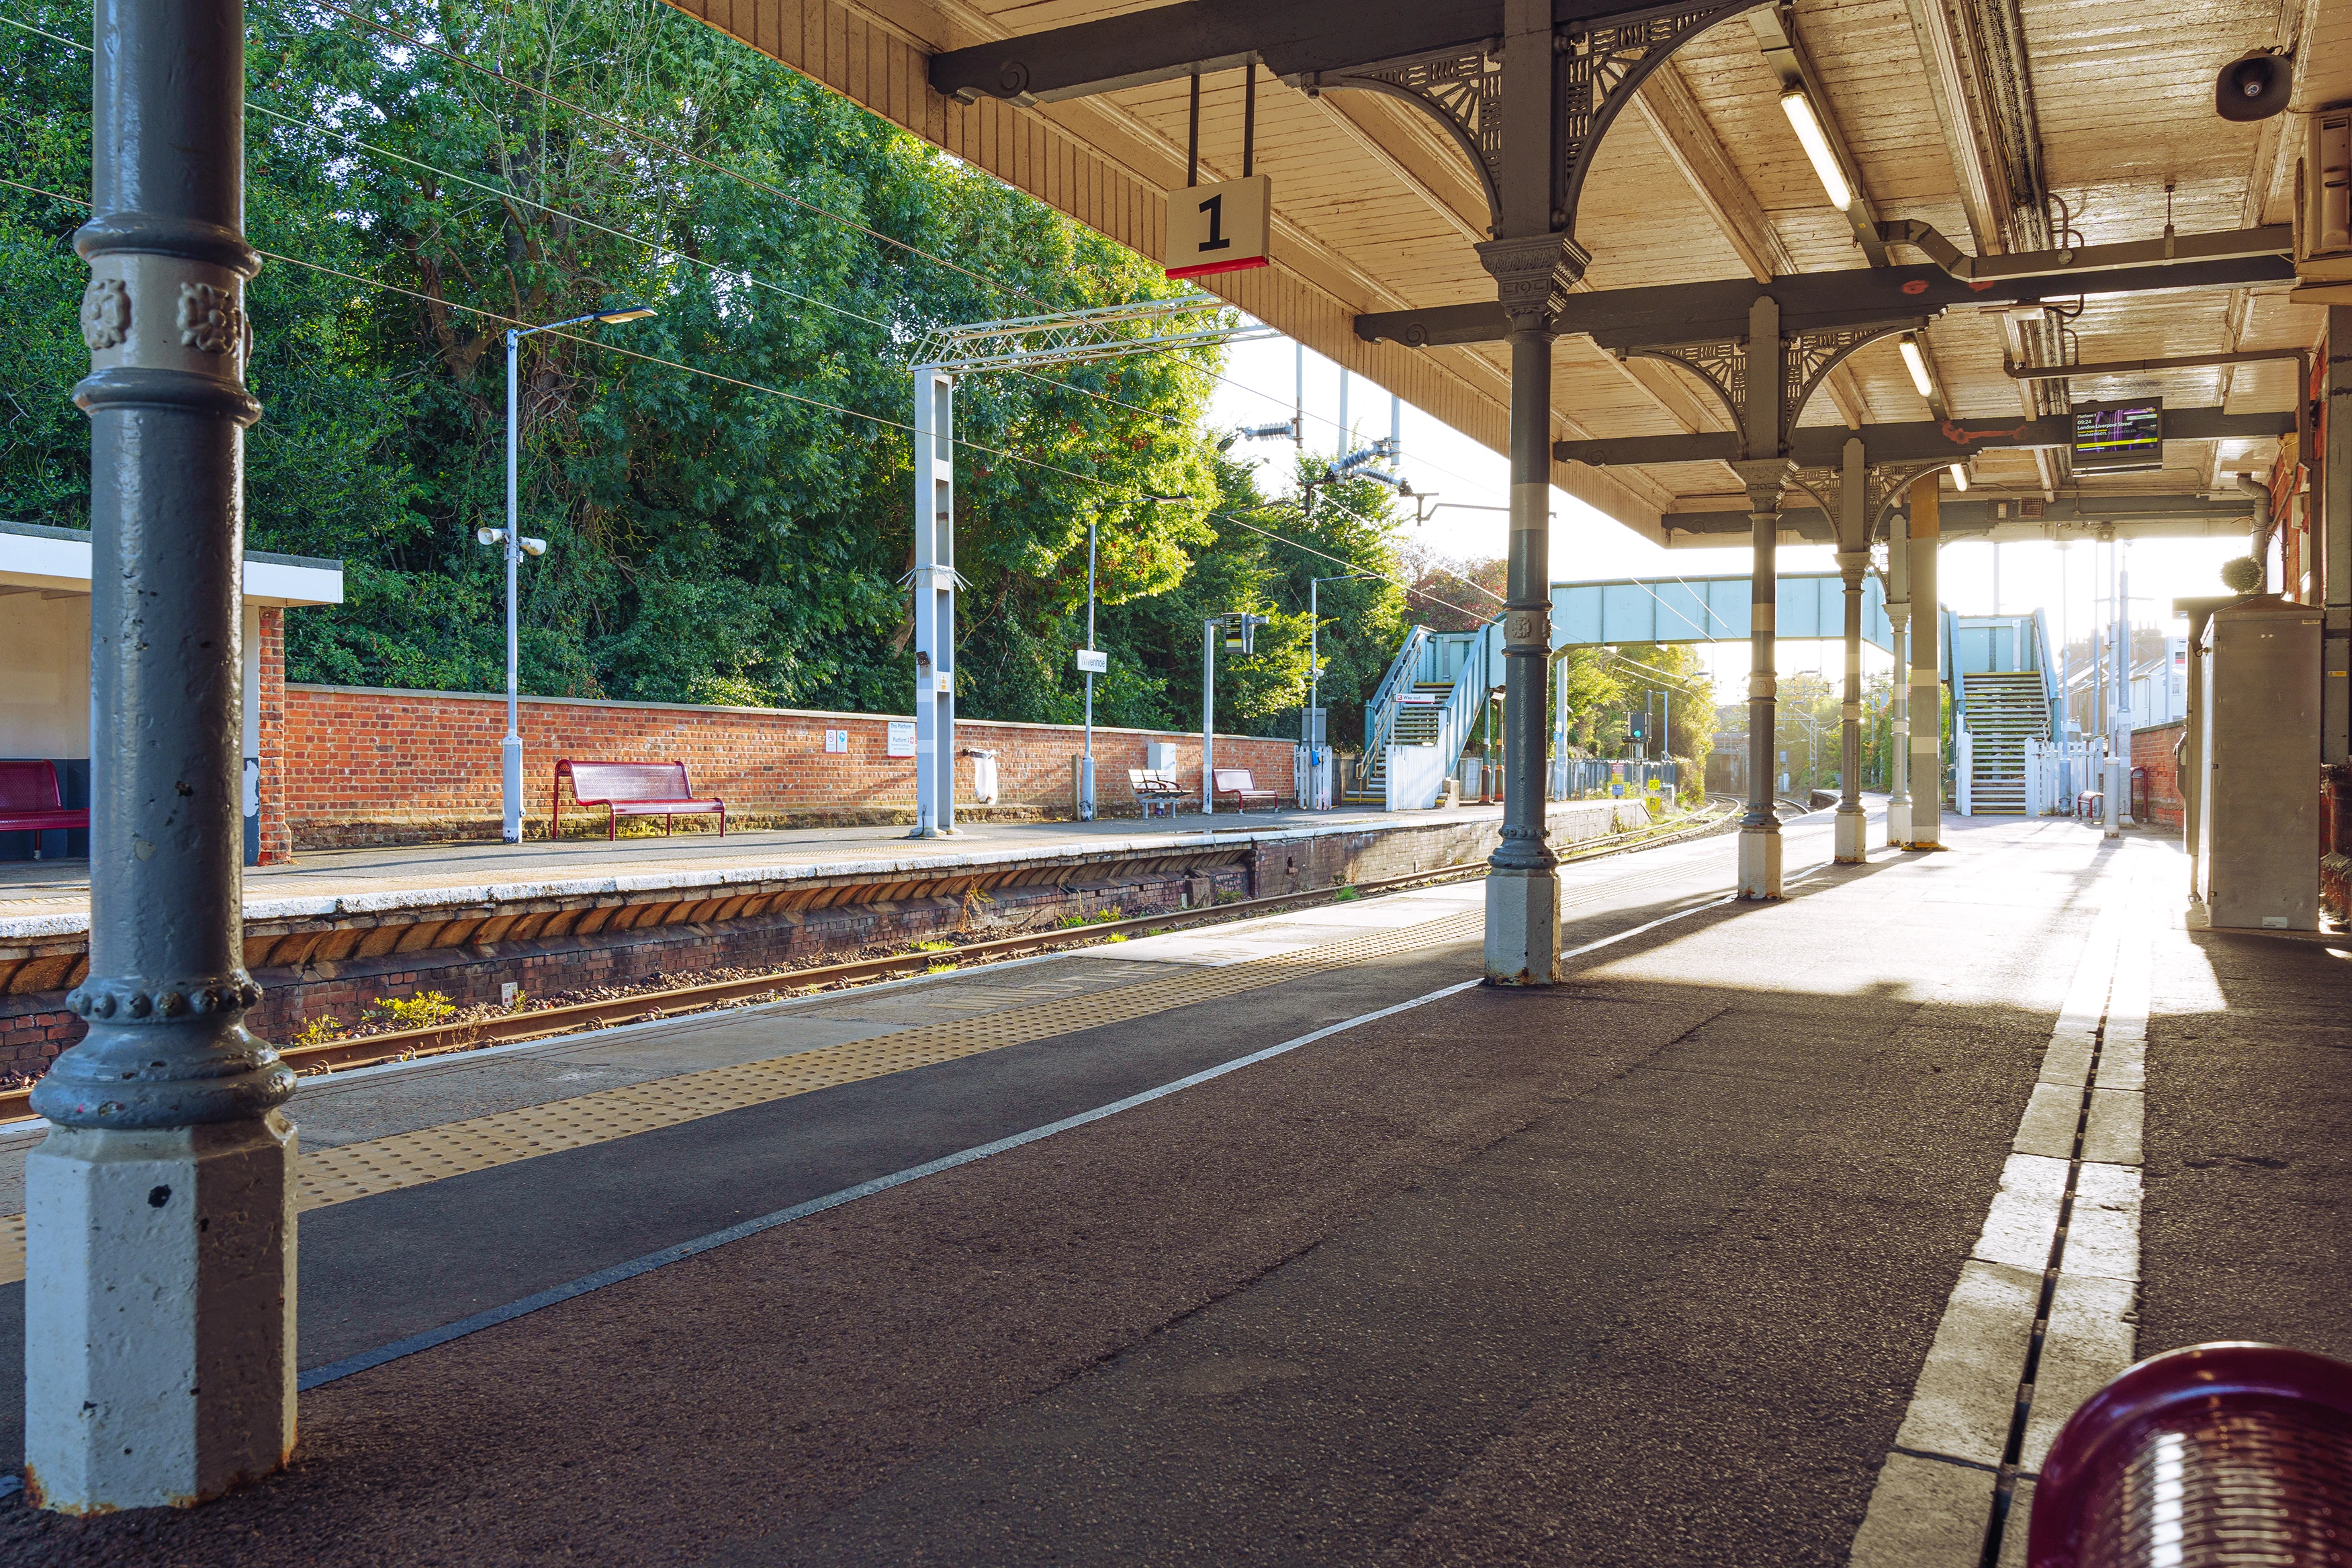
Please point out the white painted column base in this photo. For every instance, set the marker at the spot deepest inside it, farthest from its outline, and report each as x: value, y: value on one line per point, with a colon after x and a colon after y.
x: 1522, y: 927
x: 1759, y: 862
x: 1898, y: 823
x: 1852, y: 836
x: 159, y: 1313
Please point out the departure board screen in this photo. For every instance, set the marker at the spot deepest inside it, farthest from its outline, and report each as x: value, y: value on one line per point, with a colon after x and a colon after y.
x: 2112, y: 436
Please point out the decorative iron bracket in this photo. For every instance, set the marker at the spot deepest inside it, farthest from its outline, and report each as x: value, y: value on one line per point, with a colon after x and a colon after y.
x: 1597, y: 71
x: 1806, y: 358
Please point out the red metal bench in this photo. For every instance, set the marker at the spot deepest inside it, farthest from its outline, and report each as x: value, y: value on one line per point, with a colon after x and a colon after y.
x: 2218, y: 1454
x: 1237, y: 783
x: 29, y: 801
x: 630, y: 789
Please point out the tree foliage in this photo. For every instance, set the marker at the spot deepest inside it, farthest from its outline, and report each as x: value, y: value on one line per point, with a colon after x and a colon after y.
x: 725, y: 488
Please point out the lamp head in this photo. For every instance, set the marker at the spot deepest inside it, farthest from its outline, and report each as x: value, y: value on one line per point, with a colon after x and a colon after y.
x: 490, y: 536
x: 625, y: 313
x: 532, y: 547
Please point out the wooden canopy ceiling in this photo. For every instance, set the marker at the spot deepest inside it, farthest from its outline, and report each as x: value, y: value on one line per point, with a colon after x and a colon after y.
x: 1961, y: 113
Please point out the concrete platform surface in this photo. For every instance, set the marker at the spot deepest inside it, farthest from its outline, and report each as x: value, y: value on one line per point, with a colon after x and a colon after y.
x: 1286, y: 1243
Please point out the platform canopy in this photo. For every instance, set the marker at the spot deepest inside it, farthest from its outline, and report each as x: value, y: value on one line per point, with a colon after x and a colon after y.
x: 1979, y: 122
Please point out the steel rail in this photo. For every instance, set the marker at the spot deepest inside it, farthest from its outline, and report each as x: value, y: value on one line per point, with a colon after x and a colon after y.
x: 645, y: 1006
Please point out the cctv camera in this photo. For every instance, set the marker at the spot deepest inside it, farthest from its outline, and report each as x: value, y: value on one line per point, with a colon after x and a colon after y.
x: 2254, y: 86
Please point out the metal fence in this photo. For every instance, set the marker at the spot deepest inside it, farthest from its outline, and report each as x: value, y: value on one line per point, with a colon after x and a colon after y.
x: 1599, y: 778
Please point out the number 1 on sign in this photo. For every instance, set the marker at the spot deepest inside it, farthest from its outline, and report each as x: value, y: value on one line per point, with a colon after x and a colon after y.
x: 1215, y: 208
x: 1218, y: 228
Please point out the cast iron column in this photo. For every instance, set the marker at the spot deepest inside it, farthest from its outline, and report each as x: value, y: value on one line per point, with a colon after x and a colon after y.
x: 160, y: 1209
x: 1852, y: 827
x: 1535, y: 263
x: 1898, y: 740
x: 2334, y: 536
x: 1926, y: 829
x: 1759, y: 830
x: 1852, y: 831
x: 1765, y: 472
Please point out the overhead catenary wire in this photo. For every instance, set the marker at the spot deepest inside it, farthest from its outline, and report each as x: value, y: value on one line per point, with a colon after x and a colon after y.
x: 666, y: 144
x: 661, y: 250
x: 657, y: 248
x: 746, y: 385
x: 751, y: 182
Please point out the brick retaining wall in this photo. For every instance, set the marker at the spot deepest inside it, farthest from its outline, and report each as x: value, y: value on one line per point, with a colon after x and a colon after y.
x: 2152, y: 749
x: 369, y: 766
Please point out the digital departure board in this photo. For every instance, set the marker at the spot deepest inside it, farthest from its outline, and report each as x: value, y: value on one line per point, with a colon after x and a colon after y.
x: 2120, y: 437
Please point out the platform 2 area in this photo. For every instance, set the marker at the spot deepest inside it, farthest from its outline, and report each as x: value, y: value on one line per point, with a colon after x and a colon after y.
x: 1284, y: 1242
x: 61, y: 887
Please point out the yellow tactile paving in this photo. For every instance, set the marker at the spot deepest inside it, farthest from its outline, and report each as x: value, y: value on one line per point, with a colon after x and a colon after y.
x: 411, y: 1159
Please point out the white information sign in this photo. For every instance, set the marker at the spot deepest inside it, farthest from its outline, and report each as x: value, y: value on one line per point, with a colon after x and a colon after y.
x: 1218, y: 228
x: 902, y: 738
x: 837, y: 740
x: 1093, y: 661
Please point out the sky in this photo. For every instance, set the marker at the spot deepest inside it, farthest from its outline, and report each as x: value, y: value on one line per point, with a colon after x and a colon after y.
x: 2068, y: 582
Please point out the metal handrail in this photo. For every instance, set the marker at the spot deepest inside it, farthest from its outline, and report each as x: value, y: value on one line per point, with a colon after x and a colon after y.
x: 1473, y: 685
x: 1379, y: 714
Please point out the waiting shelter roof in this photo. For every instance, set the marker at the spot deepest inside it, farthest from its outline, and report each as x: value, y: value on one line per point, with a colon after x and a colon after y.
x: 36, y: 558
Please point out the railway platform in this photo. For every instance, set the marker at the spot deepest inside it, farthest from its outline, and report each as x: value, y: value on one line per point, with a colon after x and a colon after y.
x: 337, y: 930
x: 1285, y: 1241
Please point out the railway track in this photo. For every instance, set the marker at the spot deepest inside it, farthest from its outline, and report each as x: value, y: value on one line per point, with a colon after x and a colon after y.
x: 441, y: 1040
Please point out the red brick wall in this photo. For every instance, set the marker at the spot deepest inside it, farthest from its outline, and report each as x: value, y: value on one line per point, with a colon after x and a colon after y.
x: 277, y: 841
x: 2152, y: 749
x: 369, y: 766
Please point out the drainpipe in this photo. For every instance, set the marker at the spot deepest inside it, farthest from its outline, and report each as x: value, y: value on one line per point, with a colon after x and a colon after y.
x: 2259, y: 539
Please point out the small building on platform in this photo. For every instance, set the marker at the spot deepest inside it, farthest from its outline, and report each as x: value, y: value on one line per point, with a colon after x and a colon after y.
x: 45, y: 704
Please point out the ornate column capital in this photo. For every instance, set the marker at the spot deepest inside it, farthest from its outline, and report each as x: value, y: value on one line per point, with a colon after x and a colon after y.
x: 1533, y: 275
x: 1767, y: 479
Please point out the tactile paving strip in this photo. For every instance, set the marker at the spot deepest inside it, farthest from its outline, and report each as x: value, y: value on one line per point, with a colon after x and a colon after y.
x: 411, y: 1159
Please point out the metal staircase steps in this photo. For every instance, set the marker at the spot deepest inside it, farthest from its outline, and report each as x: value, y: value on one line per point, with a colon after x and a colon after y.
x: 2004, y: 709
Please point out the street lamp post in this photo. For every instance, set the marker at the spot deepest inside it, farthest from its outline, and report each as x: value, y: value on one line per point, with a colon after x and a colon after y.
x: 1309, y: 735
x: 517, y: 547
x: 1246, y: 626
x: 1086, y: 767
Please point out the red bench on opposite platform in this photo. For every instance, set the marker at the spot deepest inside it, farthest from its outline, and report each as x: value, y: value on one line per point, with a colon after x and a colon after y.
x: 1237, y: 783
x: 29, y: 801
x: 630, y: 789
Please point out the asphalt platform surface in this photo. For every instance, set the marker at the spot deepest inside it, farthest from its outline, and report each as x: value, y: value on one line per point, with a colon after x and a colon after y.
x: 1641, y: 1268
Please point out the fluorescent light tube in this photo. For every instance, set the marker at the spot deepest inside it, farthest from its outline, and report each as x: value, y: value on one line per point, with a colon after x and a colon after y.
x: 1808, y: 127
x: 1916, y: 363
x: 1960, y: 477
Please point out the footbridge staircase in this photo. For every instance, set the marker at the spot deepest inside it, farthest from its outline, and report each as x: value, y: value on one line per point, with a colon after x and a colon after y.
x: 1424, y: 712
x: 2004, y: 703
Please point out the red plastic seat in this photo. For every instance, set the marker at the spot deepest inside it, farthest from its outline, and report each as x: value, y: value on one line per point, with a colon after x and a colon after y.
x: 29, y: 799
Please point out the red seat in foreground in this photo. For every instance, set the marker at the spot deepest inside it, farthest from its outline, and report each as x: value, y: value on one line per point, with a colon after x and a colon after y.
x: 630, y: 789
x: 29, y: 801
x: 2212, y: 1456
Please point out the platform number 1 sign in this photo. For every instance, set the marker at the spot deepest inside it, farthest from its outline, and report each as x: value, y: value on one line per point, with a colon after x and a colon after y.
x: 1218, y: 228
